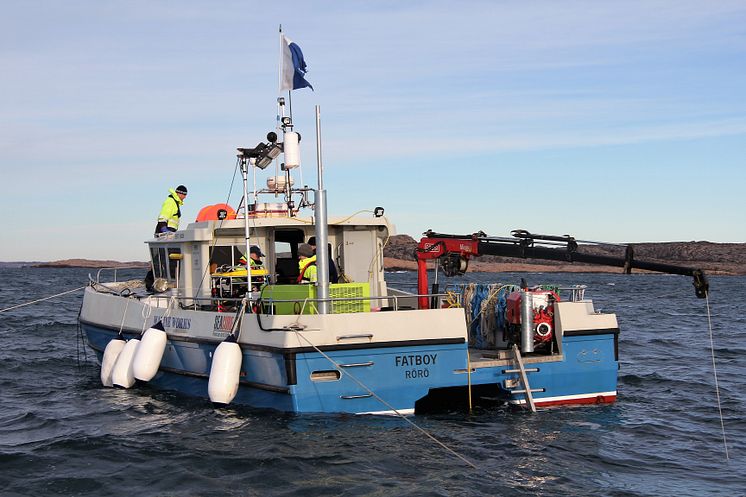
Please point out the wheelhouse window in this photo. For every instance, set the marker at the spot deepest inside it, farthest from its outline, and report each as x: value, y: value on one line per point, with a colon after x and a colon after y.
x: 160, y: 262
x: 173, y: 262
x: 163, y: 265
x: 221, y: 256
x: 286, y: 254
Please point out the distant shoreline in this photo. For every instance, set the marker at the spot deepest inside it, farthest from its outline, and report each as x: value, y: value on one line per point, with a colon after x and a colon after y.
x: 399, y: 255
x: 390, y: 264
x: 76, y: 263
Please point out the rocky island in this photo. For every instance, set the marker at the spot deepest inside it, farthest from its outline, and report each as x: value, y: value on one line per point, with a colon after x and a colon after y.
x: 399, y: 254
x: 713, y: 258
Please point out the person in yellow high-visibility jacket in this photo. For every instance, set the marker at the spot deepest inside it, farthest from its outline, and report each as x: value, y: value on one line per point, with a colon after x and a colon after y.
x: 306, y: 264
x: 168, y: 219
x: 255, y: 261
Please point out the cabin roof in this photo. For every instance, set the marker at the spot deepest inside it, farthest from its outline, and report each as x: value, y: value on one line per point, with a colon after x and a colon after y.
x: 203, y: 230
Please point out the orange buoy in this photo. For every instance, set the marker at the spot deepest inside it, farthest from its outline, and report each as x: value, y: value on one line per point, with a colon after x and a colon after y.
x: 210, y: 212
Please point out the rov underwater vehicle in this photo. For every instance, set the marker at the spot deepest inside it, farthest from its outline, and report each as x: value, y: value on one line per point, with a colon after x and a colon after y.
x: 211, y: 327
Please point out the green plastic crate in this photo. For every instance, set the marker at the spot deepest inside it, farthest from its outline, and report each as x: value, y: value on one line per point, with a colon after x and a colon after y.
x: 296, y: 295
x: 350, y: 290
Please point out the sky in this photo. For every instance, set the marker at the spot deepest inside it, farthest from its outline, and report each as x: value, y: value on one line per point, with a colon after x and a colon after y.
x: 618, y: 121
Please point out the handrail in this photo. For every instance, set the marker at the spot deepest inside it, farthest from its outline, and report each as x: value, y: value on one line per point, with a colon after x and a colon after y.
x: 395, y: 299
x: 576, y: 292
x: 391, y: 299
x: 115, y: 268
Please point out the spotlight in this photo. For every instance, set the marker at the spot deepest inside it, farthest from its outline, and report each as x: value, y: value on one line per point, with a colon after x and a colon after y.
x: 268, y: 155
x: 262, y: 154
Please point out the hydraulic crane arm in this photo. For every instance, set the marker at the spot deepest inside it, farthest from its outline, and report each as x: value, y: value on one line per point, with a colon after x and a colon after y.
x: 454, y: 252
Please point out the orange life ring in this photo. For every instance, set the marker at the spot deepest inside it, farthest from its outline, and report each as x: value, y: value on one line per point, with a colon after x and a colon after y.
x: 210, y: 212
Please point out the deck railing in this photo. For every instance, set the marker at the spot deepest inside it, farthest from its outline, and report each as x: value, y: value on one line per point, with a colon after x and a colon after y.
x: 115, y: 269
x: 269, y: 306
x: 394, y: 302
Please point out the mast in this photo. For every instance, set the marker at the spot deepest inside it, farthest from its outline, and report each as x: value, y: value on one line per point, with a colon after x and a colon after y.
x: 245, y: 173
x: 322, y: 253
x: 279, y: 67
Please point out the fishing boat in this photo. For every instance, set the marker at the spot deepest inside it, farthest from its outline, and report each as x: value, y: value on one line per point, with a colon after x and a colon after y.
x: 208, y: 326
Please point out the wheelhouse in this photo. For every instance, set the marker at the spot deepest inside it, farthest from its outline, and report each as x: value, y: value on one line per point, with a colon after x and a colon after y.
x: 190, y: 259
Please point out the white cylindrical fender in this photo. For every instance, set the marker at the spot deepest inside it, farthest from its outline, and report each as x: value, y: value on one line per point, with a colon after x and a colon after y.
x: 224, y: 372
x: 121, y: 375
x: 291, y: 147
x: 111, y: 352
x: 149, y: 352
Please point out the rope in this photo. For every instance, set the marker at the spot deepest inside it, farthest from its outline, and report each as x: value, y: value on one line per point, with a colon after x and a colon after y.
x: 379, y: 253
x: 41, y: 300
x: 124, y: 315
x: 502, y: 304
x: 361, y: 384
x: 80, y: 338
x: 715, y: 374
x: 239, y: 318
x: 487, y: 321
x: 485, y: 311
x: 145, y: 313
x: 171, y: 302
x: 468, y: 293
x: 220, y: 225
x: 468, y: 375
x: 453, y: 299
x: 147, y: 310
x: 311, y: 219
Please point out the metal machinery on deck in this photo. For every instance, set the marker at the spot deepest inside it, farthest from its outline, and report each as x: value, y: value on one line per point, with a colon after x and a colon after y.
x: 531, y: 310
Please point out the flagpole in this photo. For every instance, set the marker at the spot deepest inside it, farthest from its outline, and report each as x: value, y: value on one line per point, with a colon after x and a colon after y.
x: 290, y: 107
x: 290, y: 110
x: 279, y: 68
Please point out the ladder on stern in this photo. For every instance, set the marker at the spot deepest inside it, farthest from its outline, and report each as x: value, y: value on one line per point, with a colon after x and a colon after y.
x: 524, y: 378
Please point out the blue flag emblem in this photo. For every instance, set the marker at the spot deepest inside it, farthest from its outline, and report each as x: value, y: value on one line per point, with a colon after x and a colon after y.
x: 293, y: 73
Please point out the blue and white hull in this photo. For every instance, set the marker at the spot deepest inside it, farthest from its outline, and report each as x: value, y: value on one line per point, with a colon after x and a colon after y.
x: 374, y: 362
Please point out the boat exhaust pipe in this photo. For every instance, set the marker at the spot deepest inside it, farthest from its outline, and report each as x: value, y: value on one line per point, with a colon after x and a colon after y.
x: 322, y: 230
x: 527, y: 321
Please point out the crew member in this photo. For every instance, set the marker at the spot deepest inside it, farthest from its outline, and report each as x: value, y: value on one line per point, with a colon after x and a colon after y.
x: 168, y: 219
x: 255, y: 261
x: 333, y: 274
x: 255, y: 254
x: 306, y: 264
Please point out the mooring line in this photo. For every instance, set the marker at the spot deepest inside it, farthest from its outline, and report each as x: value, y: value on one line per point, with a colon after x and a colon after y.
x: 361, y: 384
x: 41, y: 300
x: 715, y: 374
x: 124, y: 315
x: 79, y: 338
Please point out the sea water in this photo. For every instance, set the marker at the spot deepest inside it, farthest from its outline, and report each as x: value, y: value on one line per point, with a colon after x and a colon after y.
x: 62, y: 433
